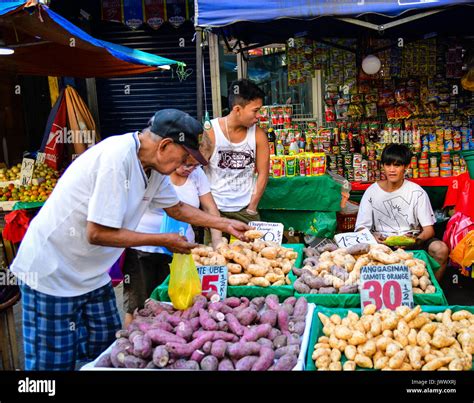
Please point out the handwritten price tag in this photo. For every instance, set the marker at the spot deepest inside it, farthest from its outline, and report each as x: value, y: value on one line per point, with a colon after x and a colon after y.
x: 273, y: 231
x: 347, y: 239
x: 213, y: 279
x: 386, y: 286
x: 26, y: 174
x: 40, y: 158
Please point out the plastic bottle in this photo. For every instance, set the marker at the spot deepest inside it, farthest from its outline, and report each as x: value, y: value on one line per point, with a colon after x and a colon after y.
x: 271, y: 140
x: 294, y: 149
x: 280, y: 149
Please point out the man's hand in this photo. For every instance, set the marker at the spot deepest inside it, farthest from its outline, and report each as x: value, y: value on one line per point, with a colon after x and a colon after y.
x: 237, y: 228
x: 178, y: 244
x: 379, y: 237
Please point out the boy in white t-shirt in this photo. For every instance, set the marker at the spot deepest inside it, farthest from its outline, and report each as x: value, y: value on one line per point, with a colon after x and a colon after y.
x: 396, y: 206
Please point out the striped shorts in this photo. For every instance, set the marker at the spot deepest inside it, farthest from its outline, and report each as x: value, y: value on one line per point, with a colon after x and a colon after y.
x: 58, y: 331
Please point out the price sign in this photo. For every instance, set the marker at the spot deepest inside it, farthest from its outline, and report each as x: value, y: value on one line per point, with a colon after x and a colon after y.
x: 386, y: 286
x: 273, y: 231
x: 40, y: 158
x: 347, y: 239
x: 26, y: 174
x: 213, y: 279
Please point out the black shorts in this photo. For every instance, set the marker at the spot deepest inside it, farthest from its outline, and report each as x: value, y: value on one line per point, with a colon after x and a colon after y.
x: 142, y: 272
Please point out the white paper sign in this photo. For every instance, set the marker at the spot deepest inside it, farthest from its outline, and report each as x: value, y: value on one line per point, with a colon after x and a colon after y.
x: 27, y: 167
x: 40, y: 158
x: 213, y: 278
x: 273, y: 231
x: 386, y: 286
x: 347, y: 239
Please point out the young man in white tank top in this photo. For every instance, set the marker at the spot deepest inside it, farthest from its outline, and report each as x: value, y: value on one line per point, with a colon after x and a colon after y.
x: 238, y: 154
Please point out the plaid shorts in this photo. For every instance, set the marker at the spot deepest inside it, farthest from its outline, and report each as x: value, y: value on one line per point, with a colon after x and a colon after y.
x: 57, y: 331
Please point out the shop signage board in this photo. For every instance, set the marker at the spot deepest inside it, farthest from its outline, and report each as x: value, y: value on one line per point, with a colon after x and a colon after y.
x: 26, y: 174
x: 347, y: 239
x: 386, y: 286
x: 273, y: 231
x: 213, y: 279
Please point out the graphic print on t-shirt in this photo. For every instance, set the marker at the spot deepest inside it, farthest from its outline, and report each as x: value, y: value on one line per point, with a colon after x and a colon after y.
x: 397, y: 213
x: 235, y: 159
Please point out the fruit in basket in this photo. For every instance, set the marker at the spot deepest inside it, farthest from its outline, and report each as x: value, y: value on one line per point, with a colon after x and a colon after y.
x: 399, y: 240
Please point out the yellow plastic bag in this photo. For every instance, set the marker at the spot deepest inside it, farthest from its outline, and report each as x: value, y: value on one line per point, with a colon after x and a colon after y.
x: 185, y: 283
x: 463, y: 253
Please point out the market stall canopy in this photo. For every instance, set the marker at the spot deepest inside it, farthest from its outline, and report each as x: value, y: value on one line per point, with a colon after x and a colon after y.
x: 252, y: 21
x: 47, y: 44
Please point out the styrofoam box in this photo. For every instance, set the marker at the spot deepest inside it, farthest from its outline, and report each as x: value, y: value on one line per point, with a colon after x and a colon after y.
x: 300, y: 365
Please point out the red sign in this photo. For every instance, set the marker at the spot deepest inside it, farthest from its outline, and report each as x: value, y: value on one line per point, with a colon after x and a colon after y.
x: 55, y: 144
x: 154, y: 13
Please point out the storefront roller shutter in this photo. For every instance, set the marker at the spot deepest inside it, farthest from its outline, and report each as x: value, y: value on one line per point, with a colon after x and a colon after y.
x: 126, y: 103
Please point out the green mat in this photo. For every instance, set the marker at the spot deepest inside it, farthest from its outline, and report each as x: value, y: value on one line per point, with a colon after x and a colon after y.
x: 353, y: 300
x: 160, y: 293
x: 317, y: 327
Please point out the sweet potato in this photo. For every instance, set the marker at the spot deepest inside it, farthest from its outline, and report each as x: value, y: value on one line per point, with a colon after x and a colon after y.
x: 301, y: 307
x: 300, y: 287
x: 283, y: 320
x: 199, y: 302
x: 162, y: 325
x: 104, y: 361
x: 265, y: 342
x: 330, y: 247
x: 271, y: 302
x: 274, y: 333
x: 296, y: 271
x: 233, y: 302
x: 234, y: 324
x: 185, y: 364
x: 257, y: 303
x: 358, y: 249
x: 206, y: 348
x: 265, y: 360
x: 151, y: 365
x: 125, y: 344
x: 145, y: 326
x: 289, y: 349
x: 310, y: 252
x: 217, y: 316
x: 117, y: 356
x: 134, y: 334
x: 247, y: 316
x: 243, y: 349
x: 184, y: 330
x: 339, y: 272
x: 311, y: 261
x: 216, y: 335
x: 122, y: 333
x: 157, y: 307
x: 132, y: 361
x: 293, y: 339
x: 160, y: 336
x: 349, y: 289
x: 285, y: 363
x: 269, y: 317
x: 218, y: 349
x: 225, y: 365
x: 222, y: 326
x: 280, y: 341
x: 161, y: 356
x: 256, y: 332
x: 290, y: 301
x: 142, y: 346
x: 246, y: 363
x: 206, y: 321
x: 297, y: 327
x: 197, y: 356
x: 244, y: 303
x: 220, y: 306
x: 209, y: 363
x: 327, y: 290
x: 185, y: 350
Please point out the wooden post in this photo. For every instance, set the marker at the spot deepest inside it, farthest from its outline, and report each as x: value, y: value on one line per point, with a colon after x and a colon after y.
x: 199, y: 86
x: 215, y: 75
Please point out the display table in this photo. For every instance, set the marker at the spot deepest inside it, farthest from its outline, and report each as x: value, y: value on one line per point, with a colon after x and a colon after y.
x: 302, y: 203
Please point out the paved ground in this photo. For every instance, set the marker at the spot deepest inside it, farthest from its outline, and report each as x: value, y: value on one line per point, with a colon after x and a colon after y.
x: 459, y: 290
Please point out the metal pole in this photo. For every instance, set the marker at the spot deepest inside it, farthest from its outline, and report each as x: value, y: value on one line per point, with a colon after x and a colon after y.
x: 199, y: 90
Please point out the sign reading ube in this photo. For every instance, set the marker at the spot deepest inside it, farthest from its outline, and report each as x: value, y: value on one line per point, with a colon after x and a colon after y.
x: 386, y: 286
x: 213, y: 279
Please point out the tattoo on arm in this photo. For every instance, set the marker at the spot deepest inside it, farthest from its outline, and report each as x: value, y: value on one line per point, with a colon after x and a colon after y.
x: 206, y: 147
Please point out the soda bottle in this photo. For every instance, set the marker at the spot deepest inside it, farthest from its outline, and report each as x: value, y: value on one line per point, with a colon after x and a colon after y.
x: 280, y: 149
x: 271, y: 140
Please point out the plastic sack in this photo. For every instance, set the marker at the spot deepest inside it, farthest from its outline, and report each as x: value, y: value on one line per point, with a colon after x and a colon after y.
x: 463, y: 253
x: 170, y: 225
x: 115, y: 271
x: 185, y: 283
x: 16, y: 224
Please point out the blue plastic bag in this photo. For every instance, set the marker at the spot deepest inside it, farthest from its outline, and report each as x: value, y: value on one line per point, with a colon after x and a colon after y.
x: 169, y: 225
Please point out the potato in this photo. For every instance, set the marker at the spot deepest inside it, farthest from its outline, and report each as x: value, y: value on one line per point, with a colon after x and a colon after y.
x: 424, y: 282
x: 400, y: 338
x: 350, y: 352
x: 383, y: 342
x: 423, y: 338
x: 397, y: 360
x: 269, y: 252
x: 381, y: 362
x: 431, y: 289
x: 234, y: 268
x: 335, y: 366
x: 384, y: 257
x: 239, y: 279
x: 460, y: 315
x: 323, y: 318
x: 369, y: 348
x: 376, y: 327
x: 418, y: 322
x: 241, y: 259
x: 403, y: 327
x: 440, y: 340
x: 253, y: 234
x: 357, y: 338
x: 414, y: 355
x: 256, y: 270
x: 335, y: 355
x: 363, y: 361
x: 259, y: 281
x: 455, y: 365
x: 349, y: 366
x: 369, y: 309
x: 412, y: 314
x: 392, y: 349
x: 343, y: 332
x: 320, y: 352
x: 436, y: 363
x: 323, y: 362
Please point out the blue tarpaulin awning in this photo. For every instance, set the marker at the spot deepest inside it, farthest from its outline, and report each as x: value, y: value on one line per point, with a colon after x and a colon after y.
x: 47, y: 44
x: 214, y: 14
